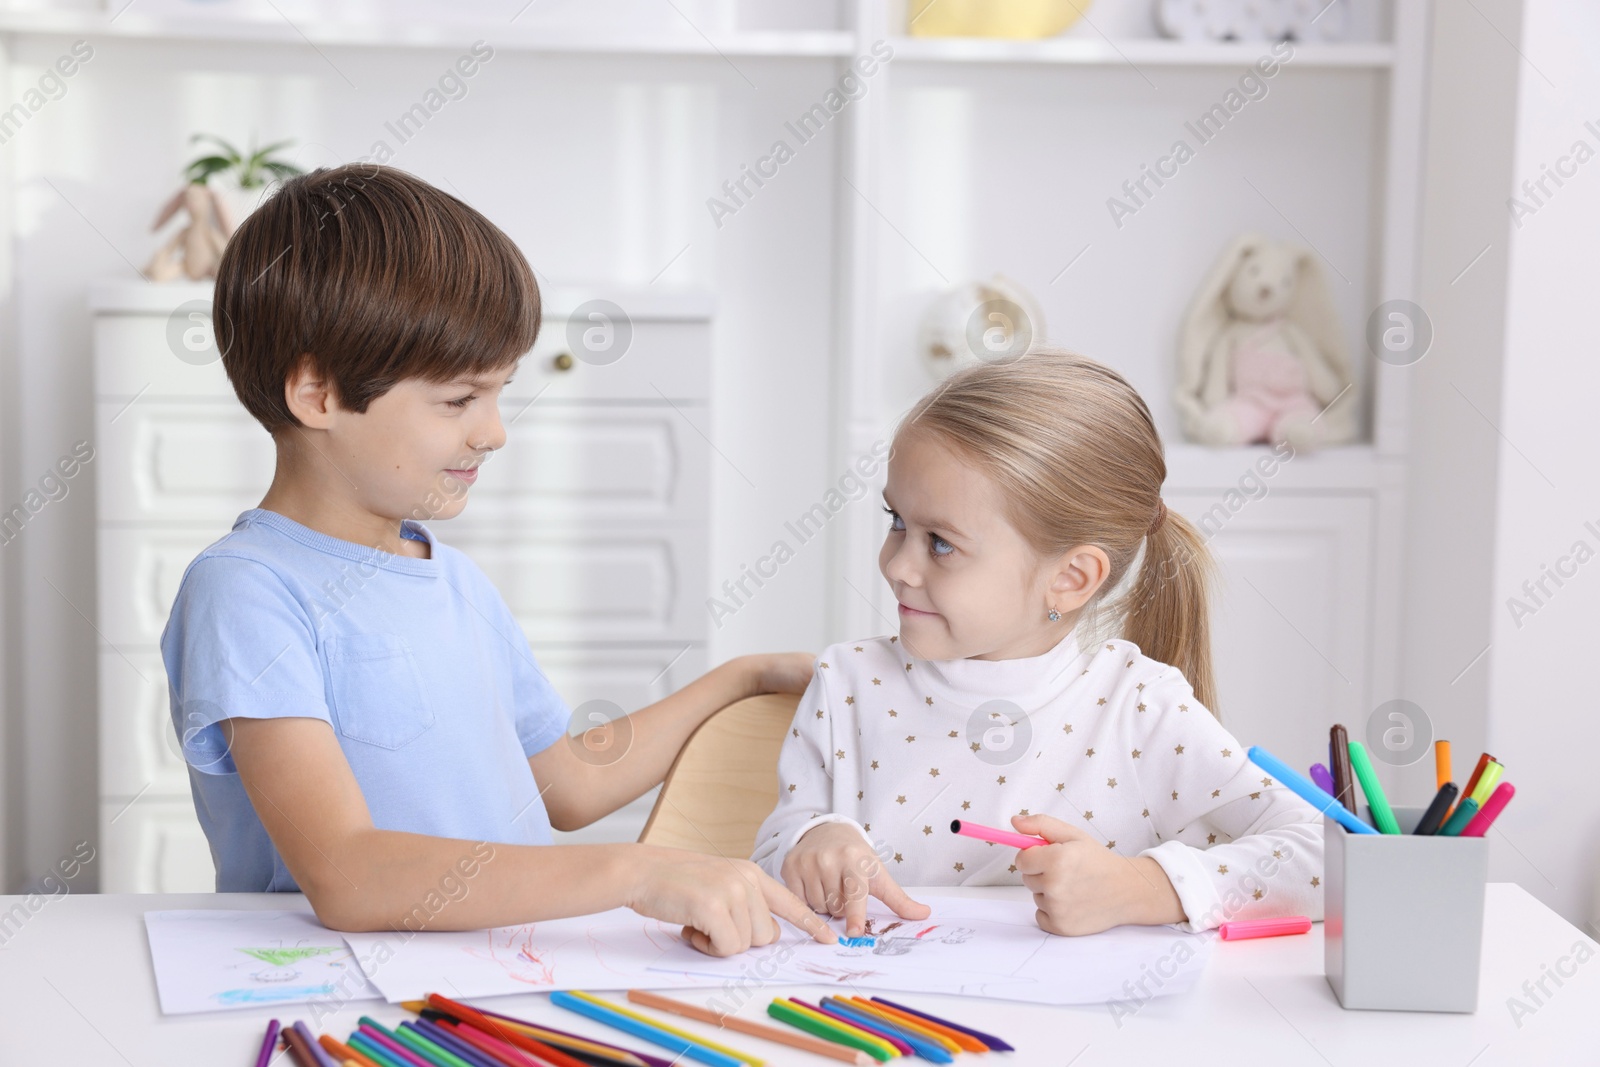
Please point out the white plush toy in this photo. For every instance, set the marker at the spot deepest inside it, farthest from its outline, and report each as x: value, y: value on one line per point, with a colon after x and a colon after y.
x: 1260, y: 355
x: 991, y: 321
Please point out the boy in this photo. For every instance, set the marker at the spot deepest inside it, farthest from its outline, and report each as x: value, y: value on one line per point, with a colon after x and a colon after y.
x: 361, y: 715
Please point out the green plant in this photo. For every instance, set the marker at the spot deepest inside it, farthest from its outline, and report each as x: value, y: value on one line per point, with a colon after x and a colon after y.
x: 251, y: 171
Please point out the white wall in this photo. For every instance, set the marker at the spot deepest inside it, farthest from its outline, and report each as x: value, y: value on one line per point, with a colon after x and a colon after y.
x: 1503, y: 474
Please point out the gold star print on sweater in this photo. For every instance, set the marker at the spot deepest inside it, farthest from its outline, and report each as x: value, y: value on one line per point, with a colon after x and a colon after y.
x: 1059, y: 734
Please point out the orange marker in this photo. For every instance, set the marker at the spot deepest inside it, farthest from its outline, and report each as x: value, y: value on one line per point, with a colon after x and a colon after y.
x: 1441, y: 763
x: 920, y: 1027
x: 342, y: 1052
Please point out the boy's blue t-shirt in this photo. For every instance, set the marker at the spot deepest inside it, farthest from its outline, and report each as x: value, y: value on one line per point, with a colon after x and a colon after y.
x: 417, y: 665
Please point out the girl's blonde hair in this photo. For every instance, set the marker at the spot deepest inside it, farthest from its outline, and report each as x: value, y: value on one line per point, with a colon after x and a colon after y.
x: 1076, y: 457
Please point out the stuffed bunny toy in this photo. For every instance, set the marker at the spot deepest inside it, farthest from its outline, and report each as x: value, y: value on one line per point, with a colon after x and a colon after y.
x: 200, y: 242
x: 1260, y: 357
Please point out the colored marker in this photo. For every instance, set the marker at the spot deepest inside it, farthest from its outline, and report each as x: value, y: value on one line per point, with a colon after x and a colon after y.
x: 890, y: 1030
x: 561, y: 1039
x: 831, y: 1029
x: 1487, y: 782
x: 268, y: 1045
x: 302, y: 1056
x: 745, y: 1026
x: 1339, y: 755
x: 344, y: 1054
x: 1477, y: 772
x: 363, y: 1043
x: 452, y: 1043
x: 849, y: 1018
x: 1322, y: 778
x: 1491, y: 811
x: 1372, y: 790
x: 1323, y: 802
x: 1460, y: 818
x: 380, y: 1036
x: 503, y: 1034
x: 1437, y: 811
x: 686, y: 1035
x: 993, y: 1042
x: 949, y: 1040
x: 999, y: 837
x: 1441, y: 763
x: 1240, y: 929
x: 310, y: 1039
x: 695, y: 1050
x: 425, y: 1046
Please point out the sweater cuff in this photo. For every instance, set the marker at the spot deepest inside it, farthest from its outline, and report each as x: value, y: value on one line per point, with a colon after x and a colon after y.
x: 1196, y: 892
x: 776, y: 870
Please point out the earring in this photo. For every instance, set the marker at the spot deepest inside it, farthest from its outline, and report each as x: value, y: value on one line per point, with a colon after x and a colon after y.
x: 1055, y: 616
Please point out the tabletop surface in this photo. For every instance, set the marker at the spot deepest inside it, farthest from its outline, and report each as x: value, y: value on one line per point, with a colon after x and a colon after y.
x: 77, y: 988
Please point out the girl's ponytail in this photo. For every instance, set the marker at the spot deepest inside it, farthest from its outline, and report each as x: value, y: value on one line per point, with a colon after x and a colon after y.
x: 1167, y: 611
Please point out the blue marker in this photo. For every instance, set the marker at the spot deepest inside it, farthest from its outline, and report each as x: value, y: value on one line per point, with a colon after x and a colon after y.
x: 1323, y: 801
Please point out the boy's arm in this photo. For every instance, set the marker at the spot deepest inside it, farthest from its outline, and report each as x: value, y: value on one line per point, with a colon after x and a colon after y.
x: 579, y: 788
x: 358, y: 877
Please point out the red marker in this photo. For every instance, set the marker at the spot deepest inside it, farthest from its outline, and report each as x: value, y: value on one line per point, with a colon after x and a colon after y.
x: 999, y: 837
x: 1491, y: 809
x: 1243, y: 928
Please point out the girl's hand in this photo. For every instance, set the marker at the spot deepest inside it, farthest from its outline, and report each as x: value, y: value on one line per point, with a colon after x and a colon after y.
x: 725, y: 906
x: 780, y: 672
x: 834, y: 870
x: 1082, y: 887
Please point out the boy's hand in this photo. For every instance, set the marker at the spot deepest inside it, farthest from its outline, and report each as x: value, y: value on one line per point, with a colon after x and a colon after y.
x: 725, y: 906
x: 1082, y: 887
x: 834, y: 871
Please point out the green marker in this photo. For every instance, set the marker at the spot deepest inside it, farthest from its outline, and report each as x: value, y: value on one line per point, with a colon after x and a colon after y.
x: 837, y: 1034
x: 1458, y: 822
x: 1381, y: 815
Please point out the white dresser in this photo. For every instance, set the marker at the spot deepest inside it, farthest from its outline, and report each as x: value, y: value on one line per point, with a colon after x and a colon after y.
x: 593, y: 522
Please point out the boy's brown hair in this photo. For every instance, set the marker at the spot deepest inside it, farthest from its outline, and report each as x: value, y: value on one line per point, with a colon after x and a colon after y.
x: 374, y: 276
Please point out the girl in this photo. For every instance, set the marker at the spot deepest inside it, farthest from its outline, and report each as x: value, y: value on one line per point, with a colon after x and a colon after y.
x: 1018, y: 494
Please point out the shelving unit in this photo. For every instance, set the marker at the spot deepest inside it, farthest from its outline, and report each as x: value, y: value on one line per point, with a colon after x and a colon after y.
x: 961, y: 158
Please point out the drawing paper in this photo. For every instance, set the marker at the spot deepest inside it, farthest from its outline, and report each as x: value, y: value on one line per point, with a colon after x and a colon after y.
x: 216, y: 960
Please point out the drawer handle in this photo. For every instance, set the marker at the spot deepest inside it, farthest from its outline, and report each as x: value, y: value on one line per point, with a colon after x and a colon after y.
x: 563, y: 361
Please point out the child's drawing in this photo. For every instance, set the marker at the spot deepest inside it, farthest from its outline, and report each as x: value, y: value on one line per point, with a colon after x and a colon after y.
x: 518, y: 954
x: 292, y: 972
x: 211, y: 960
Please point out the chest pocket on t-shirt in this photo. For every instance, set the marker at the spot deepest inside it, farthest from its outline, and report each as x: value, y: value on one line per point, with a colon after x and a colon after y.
x: 377, y: 693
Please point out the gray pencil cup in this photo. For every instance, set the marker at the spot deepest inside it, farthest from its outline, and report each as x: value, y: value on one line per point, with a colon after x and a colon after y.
x: 1403, y: 917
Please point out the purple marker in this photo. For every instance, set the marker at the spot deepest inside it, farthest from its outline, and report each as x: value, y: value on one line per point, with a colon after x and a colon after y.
x: 1323, y: 778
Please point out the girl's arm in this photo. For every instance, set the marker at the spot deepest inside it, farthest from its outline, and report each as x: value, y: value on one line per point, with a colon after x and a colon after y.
x: 580, y: 788
x: 1235, y: 844
x: 805, y: 781
x: 359, y: 878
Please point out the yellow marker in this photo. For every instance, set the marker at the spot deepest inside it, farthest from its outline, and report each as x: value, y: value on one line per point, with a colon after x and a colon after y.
x: 659, y: 1025
x: 1486, y: 784
x: 840, y: 1024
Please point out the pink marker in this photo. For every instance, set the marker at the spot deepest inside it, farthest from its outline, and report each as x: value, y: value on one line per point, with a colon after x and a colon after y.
x: 1479, y: 825
x: 1243, y: 928
x: 999, y: 837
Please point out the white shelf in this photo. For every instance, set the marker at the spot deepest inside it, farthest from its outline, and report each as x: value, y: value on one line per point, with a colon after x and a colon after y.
x: 1347, y: 468
x: 778, y: 44
x: 1138, y: 52
x: 1088, y: 51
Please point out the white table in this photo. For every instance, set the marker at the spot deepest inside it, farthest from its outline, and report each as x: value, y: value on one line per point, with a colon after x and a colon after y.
x: 76, y: 987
